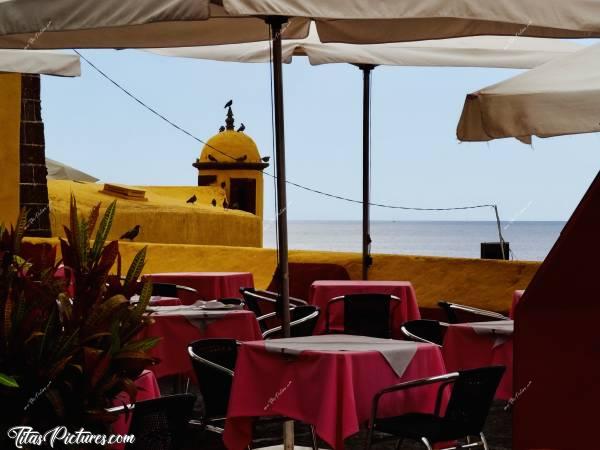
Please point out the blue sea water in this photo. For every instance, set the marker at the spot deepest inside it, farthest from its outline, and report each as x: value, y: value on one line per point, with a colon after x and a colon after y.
x: 529, y: 241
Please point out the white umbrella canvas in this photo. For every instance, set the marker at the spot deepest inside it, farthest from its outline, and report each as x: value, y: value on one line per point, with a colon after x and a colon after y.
x: 61, y: 171
x: 40, y: 62
x: 560, y: 97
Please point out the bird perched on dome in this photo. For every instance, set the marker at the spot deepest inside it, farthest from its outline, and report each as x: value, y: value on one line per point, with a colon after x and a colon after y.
x: 192, y: 199
x: 242, y: 158
x: 242, y: 127
x: 265, y: 158
x: 131, y: 234
x: 221, y: 128
x: 228, y: 104
x: 212, y: 158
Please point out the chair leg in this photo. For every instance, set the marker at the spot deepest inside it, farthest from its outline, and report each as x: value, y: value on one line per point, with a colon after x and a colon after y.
x: 314, y: 438
x: 427, y: 444
x: 484, y: 441
x: 369, y: 439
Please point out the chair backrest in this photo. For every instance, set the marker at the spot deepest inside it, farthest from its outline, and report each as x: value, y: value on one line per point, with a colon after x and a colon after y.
x: 213, y: 361
x: 303, y: 320
x: 231, y: 301
x: 424, y: 330
x: 256, y: 302
x: 164, y: 289
x: 472, y: 396
x: 367, y: 314
x: 457, y: 313
x: 161, y: 423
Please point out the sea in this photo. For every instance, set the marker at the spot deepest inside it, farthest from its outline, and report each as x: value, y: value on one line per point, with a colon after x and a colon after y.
x: 529, y: 241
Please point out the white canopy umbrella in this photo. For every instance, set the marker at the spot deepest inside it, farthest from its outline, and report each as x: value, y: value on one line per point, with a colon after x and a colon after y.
x: 368, y: 22
x: 476, y: 51
x: 40, y: 62
x: 47, y: 24
x: 61, y: 171
x: 560, y: 97
x: 175, y: 23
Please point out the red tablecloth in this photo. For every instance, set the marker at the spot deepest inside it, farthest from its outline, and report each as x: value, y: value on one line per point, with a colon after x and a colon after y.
x: 323, y: 291
x: 464, y: 348
x: 210, y: 285
x: 177, y: 332
x: 147, y: 390
x: 516, y: 298
x: 331, y: 390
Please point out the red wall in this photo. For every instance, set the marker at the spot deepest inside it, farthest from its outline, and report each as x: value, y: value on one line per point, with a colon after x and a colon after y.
x: 557, y: 340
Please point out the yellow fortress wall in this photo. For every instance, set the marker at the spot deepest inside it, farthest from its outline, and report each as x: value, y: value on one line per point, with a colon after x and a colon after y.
x: 10, y: 126
x: 487, y: 284
x: 165, y: 217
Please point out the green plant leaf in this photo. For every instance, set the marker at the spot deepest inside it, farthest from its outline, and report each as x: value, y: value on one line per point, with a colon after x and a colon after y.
x: 104, y: 229
x: 8, y: 381
x: 141, y: 345
x: 136, y: 267
x: 93, y: 219
x: 20, y: 230
x: 143, y: 302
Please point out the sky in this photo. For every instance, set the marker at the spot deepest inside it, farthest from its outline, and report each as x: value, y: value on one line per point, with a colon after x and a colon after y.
x: 416, y: 157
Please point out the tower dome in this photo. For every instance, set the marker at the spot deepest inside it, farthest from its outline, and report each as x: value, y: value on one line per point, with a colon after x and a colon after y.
x: 230, y: 146
x: 230, y: 160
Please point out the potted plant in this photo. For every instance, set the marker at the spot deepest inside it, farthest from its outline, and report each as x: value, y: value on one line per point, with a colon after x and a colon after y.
x: 65, y: 357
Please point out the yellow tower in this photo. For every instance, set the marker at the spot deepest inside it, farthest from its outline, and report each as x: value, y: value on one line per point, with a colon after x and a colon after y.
x: 231, y: 160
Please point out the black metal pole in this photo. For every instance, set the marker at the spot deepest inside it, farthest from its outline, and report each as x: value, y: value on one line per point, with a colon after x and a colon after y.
x: 282, y: 244
x: 366, y: 233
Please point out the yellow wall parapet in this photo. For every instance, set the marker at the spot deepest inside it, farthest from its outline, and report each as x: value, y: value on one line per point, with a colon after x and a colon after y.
x: 165, y: 217
x: 10, y: 126
x: 487, y: 284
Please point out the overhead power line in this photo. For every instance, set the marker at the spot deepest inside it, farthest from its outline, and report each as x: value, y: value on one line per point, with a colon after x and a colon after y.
x: 291, y: 183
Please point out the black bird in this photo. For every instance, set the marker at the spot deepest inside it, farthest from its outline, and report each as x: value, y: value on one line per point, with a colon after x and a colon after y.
x: 221, y: 129
x: 229, y: 103
x: 242, y: 127
x: 192, y: 199
x: 212, y: 158
x: 242, y: 158
x: 266, y: 158
x: 131, y: 234
x: 214, y: 202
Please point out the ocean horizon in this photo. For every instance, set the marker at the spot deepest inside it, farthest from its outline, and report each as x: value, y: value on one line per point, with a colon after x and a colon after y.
x: 529, y: 240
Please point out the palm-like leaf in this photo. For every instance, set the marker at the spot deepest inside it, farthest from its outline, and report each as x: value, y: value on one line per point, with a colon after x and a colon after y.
x: 104, y: 229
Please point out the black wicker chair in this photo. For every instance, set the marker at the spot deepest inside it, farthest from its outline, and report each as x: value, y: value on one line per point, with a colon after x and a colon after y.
x: 457, y: 313
x: 214, y: 361
x: 365, y: 314
x: 470, y: 401
x: 166, y: 289
x: 424, y: 330
x: 263, y: 304
x: 302, y: 322
x: 274, y: 296
x: 231, y: 301
x: 159, y: 424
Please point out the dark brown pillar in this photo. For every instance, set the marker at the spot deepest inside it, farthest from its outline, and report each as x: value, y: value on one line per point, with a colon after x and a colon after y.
x: 33, y: 184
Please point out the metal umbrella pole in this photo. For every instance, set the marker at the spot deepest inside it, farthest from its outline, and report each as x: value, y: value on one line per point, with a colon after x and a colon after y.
x: 366, y: 220
x: 282, y: 234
